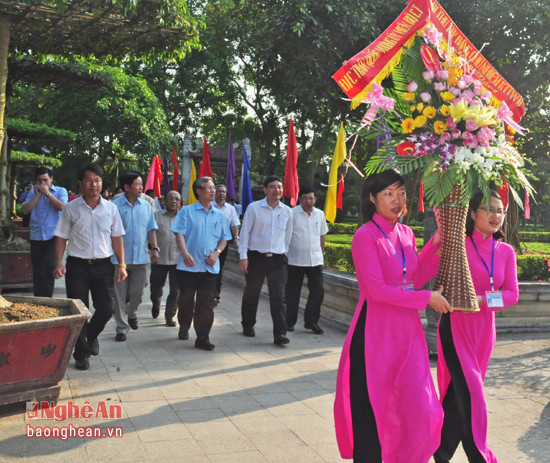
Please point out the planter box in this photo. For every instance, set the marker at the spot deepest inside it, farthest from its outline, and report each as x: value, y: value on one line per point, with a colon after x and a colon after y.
x: 34, y: 354
x: 15, y: 270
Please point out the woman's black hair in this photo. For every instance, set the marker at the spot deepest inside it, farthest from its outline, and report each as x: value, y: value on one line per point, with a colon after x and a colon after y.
x: 374, y: 184
x: 475, y: 203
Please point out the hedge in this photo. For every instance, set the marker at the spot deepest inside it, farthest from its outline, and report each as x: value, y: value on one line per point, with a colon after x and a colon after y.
x: 530, y: 268
x: 525, y: 236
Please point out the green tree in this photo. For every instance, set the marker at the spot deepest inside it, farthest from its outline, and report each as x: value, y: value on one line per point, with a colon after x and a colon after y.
x: 119, y: 28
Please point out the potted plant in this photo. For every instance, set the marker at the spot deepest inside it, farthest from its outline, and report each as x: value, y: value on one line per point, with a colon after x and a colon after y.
x: 34, y: 354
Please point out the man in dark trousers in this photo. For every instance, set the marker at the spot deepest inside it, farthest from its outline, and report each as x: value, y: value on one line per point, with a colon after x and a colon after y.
x: 94, y: 230
x: 44, y: 203
x: 305, y: 257
x: 264, y: 240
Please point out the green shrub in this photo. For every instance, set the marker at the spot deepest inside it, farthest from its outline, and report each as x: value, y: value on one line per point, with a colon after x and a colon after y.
x: 534, y: 237
x: 530, y: 268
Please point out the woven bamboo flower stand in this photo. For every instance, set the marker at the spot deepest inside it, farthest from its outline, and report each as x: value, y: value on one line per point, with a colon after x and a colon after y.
x: 454, y: 273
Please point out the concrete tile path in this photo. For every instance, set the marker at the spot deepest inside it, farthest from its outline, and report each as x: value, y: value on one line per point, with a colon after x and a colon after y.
x: 250, y: 401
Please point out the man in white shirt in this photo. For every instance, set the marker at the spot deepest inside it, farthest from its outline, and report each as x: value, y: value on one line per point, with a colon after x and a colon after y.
x: 231, y: 215
x: 264, y: 240
x: 305, y: 257
x: 93, y: 227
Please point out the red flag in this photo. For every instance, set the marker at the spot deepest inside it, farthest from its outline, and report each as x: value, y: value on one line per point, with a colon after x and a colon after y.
x: 421, y: 197
x: 206, y: 168
x: 291, y: 187
x: 155, y: 176
x: 341, y: 188
x: 176, y: 176
x: 527, y: 207
x: 503, y: 193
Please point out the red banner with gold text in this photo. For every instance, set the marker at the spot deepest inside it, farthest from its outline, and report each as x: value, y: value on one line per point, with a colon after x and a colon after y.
x: 358, y: 72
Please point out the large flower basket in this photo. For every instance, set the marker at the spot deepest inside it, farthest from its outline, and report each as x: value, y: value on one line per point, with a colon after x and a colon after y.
x: 438, y: 108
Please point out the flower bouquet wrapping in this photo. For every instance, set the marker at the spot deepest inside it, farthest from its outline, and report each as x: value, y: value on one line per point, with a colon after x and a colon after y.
x: 443, y: 122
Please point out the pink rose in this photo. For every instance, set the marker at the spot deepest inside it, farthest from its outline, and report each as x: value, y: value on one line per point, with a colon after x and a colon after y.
x: 455, y: 91
x: 442, y: 75
x: 455, y: 133
x: 478, y: 87
x: 428, y: 75
x: 451, y: 124
x: 482, y: 139
x: 425, y: 97
x: 444, y: 138
x: 412, y: 87
x: 471, y: 125
x: 486, y: 96
x: 439, y: 86
x: 461, y: 84
x: 470, y: 140
x: 467, y: 79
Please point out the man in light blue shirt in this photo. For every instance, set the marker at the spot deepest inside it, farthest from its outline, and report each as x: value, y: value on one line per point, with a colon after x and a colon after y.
x: 44, y: 202
x: 139, y: 224
x: 201, y: 232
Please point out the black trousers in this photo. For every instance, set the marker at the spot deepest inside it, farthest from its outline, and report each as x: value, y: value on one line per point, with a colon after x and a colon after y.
x: 366, y: 443
x: 199, y: 310
x: 222, y: 258
x: 82, y: 278
x: 457, y: 424
x: 314, y: 299
x: 157, y: 280
x: 275, y: 269
x: 43, y: 265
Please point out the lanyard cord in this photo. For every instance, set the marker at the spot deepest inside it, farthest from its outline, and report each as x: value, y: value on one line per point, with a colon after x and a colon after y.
x: 490, y: 272
x: 402, y: 257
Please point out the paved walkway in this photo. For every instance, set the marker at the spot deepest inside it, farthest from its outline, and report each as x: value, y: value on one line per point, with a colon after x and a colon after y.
x: 252, y: 401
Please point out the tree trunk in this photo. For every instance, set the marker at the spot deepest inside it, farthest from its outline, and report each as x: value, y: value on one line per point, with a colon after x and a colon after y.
x: 4, y: 171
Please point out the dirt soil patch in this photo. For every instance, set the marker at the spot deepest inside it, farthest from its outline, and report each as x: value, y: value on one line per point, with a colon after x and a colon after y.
x: 22, y: 312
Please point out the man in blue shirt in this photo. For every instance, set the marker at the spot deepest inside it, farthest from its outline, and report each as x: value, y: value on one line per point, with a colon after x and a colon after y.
x: 139, y: 224
x: 201, y: 232
x: 44, y: 202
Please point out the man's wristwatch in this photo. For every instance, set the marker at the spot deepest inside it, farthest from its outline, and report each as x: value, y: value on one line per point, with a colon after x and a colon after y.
x: 219, y: 252
x: 155, y: 249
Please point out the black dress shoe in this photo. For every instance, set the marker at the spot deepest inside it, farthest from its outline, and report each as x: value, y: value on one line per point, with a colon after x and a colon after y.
x: 133, y: 322
x: 204, y: 344
x: 314, y: 327
x: 82, y: 364
x: 155, y: 312
x: 183, y: 334
x: 170, y: 322
x: 290, y: 327
x: 94, y: 347
x: 249, y: 331
x: 120, y: 337
x: 280, y: 340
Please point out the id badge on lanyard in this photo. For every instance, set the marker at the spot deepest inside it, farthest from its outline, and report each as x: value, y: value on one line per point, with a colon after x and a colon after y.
x: 494, y: 299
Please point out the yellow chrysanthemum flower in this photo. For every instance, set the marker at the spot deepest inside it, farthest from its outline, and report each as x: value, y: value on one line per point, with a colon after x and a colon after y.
x: 447, y: 97
x: 420, y: 107
x: 408, y: 125
x: 412, y: 108
x: 420, y: 121
x: 440, y: 127
x: 454, y: 75
x: 445, y: 110
x: 408, y: 96
x: 429, y: 112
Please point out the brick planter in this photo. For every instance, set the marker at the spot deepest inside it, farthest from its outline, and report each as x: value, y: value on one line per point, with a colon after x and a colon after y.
x: 34, y: 354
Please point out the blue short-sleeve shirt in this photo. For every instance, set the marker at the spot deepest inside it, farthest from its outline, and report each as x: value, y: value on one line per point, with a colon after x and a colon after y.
x: 138, y: 220
x: 202, y: 230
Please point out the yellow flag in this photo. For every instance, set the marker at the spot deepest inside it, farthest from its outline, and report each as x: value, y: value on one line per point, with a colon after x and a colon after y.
x: 191, y: 197
x: 337, y: 159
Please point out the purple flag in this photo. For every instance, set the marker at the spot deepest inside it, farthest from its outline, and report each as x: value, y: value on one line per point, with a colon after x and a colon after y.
x: 230, y: 178
x: 246, y: 194
x: 165, y: 185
